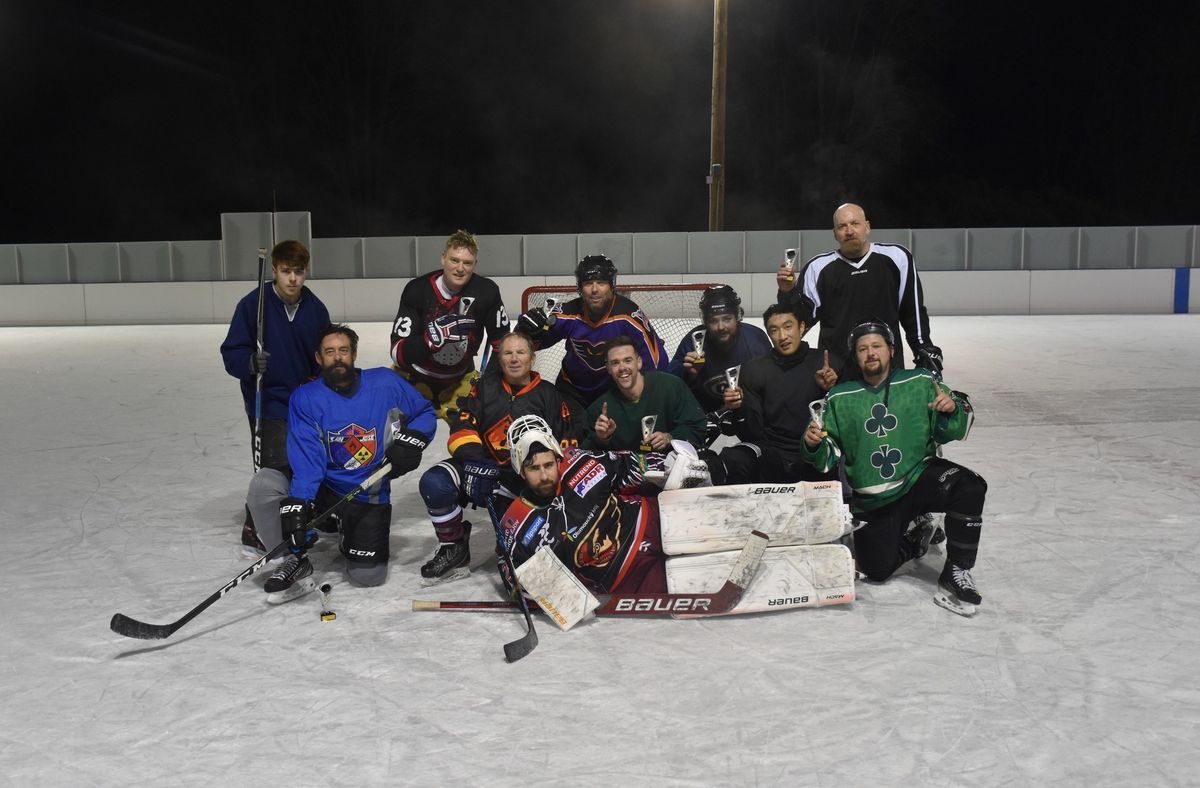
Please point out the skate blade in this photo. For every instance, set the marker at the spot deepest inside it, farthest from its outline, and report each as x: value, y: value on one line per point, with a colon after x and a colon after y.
x: 298, y: 589
x: 954, y: 604
x: 454, y: 574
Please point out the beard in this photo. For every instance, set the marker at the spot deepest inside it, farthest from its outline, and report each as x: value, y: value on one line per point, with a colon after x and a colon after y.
x: 337, y: 376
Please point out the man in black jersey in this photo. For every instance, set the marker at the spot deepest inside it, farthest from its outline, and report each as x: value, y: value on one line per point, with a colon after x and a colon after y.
x: 861, y: 281
x: 440, y: 324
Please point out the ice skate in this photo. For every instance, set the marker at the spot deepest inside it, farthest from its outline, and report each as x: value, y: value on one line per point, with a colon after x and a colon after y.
x: 293, y: 569
x: 252, y: 546
x: 451, y: 562
x: 956, y: 591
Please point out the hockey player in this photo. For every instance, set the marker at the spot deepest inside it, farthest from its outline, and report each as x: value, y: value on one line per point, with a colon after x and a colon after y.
x: 771, y: 405
x: 725, y: 342
x: 341, y: 428
x: 292, y: 321
x: 478, y: 467
x: 441, y: 322
x: 712, y: 369
x: 885, y: 429
x: 586, y: 324
x: 641, y: 411
x: 595, y: 510
x: 861, y: 281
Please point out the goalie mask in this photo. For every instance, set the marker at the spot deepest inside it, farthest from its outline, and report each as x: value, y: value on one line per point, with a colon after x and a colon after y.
x: 523, y: 434
x: 596, y: 268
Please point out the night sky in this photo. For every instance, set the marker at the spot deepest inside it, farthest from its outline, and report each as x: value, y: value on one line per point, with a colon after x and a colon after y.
x: 145, y: 121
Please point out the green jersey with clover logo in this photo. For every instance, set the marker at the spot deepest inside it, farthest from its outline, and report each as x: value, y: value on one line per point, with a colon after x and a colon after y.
x: 886, y: 434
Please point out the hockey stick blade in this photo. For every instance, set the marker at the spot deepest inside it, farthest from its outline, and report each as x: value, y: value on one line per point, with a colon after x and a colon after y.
x: 132, y: 628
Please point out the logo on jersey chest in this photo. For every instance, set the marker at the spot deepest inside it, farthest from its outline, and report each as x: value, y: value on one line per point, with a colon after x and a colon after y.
x: 586, y: 477
x: 881, y: 422
x: 351, y: 447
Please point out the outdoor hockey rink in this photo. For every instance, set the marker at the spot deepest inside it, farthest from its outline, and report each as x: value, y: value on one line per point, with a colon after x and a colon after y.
x: 125, y: 466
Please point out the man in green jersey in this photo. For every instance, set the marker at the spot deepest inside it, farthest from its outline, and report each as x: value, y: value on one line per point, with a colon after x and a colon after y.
x: 886, y: 429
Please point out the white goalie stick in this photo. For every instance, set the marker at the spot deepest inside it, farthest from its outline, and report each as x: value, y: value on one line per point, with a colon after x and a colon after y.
x: 717, y: 603
x: 132, y: 628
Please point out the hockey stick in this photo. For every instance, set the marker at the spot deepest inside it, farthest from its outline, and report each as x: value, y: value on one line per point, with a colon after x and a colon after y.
x: 715, y: 604
x: 528, y: 642
x: 258, y: 376
x: 132, y: 628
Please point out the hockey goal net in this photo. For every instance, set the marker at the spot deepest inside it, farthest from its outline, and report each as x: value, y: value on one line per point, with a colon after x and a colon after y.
x: 673, y: 310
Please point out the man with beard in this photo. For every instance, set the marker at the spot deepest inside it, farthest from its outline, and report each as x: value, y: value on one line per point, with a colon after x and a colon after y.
x: 590, y: 508
x: 885, y: 429
x: 341, y: 428
x: 292, y: 319
x: 641, y: 411
x: 440, y: 323
x: 859, y: 281
x: 771, y: 406
x: 586, y: 324
x: 712, y: 368
x: 477, y: 471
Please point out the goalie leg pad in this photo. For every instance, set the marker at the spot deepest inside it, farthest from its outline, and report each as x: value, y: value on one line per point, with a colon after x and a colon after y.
x: 788, y: 577
x: 712, y: 519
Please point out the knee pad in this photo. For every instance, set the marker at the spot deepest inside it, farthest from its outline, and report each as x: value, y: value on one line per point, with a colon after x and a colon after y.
x: 367, y: 574
x: 439, y: 488
x: 964, y: 491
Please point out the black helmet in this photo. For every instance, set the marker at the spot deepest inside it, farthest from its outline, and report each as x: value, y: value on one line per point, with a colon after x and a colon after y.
x: 870, y: 327
x: 720, y: 300
x: 596, y: 267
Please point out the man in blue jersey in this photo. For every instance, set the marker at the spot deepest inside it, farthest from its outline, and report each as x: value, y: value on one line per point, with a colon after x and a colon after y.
x: 341, y: 428
x: 293, y: 318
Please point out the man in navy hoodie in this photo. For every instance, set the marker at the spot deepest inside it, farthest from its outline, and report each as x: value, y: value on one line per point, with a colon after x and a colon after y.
x: 293, y: 319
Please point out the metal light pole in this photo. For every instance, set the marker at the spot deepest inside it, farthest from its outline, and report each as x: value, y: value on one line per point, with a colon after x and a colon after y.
x: 716, y: 157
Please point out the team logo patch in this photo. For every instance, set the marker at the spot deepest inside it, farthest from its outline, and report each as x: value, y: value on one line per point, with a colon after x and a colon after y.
x: 881, y: 422
x: 587, y: 477
x: 351, y: 447
x: 886, y: 460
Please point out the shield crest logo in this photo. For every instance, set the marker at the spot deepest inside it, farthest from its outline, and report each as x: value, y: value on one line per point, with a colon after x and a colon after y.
x: 352, y: 446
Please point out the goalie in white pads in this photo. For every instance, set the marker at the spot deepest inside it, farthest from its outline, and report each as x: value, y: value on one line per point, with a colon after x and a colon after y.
x: 598, y: 516
x: 886, y: 429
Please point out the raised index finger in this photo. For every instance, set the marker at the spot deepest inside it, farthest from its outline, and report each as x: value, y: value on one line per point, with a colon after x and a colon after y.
x: 604, y: 409
x: 826, y: 358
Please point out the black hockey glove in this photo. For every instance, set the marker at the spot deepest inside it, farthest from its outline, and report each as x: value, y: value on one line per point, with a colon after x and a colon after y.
x: 448, y: 328
x: 479, y: 480
x: 719, y: 422
x: 258, y: 362
x: 294, y: 516
x: 930, y: 357
x: 405, y: 452
x: 533, y: 322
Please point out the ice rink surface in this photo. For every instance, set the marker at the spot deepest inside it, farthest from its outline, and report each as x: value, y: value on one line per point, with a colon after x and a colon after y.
x: 126, y: 461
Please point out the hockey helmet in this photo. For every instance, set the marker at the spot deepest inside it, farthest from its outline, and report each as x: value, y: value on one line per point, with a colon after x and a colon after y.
x: 870, y: 327
x: 524, y: 433
x: 596, y: 267
x: 720, y: 300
